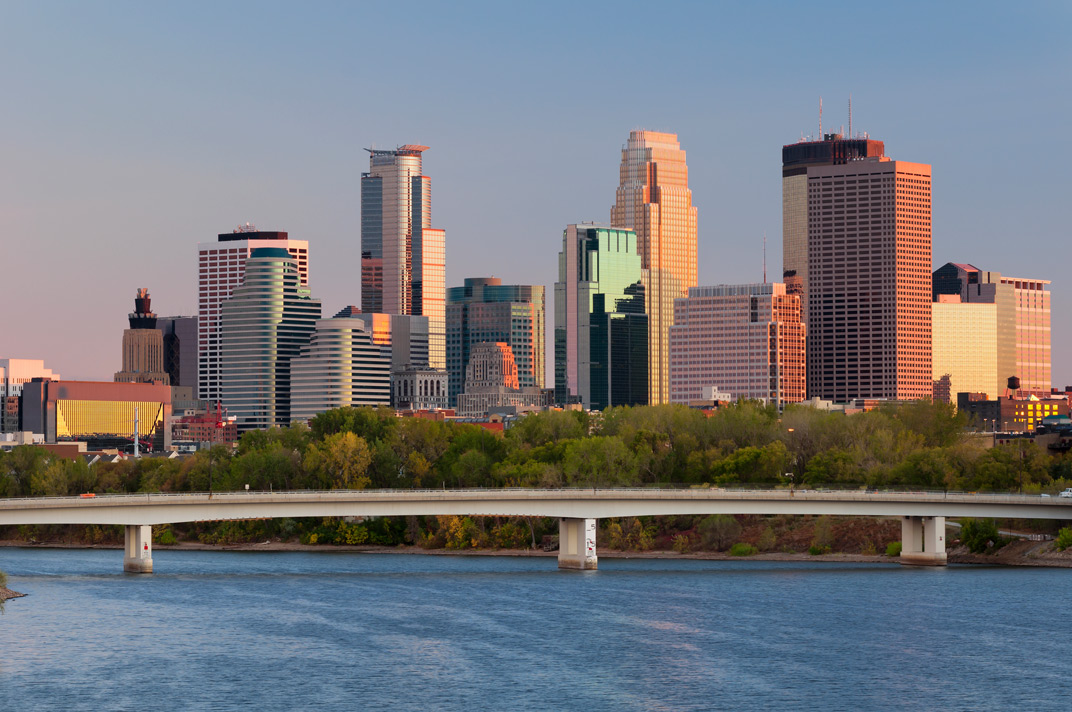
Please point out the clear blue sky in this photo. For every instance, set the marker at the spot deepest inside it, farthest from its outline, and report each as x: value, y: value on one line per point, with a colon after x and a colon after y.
x: 131, y: 131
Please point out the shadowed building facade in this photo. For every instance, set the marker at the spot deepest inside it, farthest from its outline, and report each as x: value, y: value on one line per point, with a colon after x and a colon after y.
x: 601, y: 327
x: 864, y: 222
x: 653, y: 200
x: 486, y: 310
x: 746, y: 340
x: 221, y: 266
x: 403, y: 258
x: 263, y: 327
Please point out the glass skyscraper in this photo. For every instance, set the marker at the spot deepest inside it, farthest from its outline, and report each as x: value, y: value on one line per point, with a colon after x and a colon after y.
x: 601, y: 326
x: 403, y: 258
x: 263, y: 327
x: 486, y: 310
x: 654, y: 200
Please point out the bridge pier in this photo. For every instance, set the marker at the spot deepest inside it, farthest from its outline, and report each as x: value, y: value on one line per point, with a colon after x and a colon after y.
x: 923, y: 541
x: 577, y: 543
x: 138, y: 552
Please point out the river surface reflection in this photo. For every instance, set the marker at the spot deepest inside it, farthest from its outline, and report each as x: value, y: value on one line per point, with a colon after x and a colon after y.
x: 230, y: 630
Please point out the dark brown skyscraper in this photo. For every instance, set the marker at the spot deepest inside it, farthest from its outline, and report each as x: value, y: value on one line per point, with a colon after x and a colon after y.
x: 857, y: 231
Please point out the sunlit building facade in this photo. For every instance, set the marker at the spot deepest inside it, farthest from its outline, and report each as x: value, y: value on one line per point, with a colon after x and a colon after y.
x: 221, y: 266
x: 746, y: 340
x: 964, y: 346
x: 653, y: 200
x: 104, y: 415
x: 486, y: 310
x: 403, y: 258
x: 339, y: 367
x: 492, y: 384
x: 868, y: 284
x: 263, y: 327
x: 1023, y: 321
x: 601, y: 325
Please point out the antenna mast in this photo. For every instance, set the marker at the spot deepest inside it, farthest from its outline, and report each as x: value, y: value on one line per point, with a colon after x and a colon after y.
x: 820, y: 118
x: 764, y: 257
x: 850, y: 115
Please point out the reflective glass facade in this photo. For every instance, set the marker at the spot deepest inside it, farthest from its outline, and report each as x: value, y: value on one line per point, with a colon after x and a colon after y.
x: 653, y: 199
x: 964, y: 346
x: 403, y: 258
x: 601, y: 326
x: 485, y: 310
x: 263, y: 327
x: 339, y: 367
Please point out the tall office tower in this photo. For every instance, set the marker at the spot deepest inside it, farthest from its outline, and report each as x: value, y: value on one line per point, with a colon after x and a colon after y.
x: 180, y: 349
x: 744, y: 339
x: 15, y: 373
x: 797, y: 158
x: 403, y: 259
x: 867, y: 284
x: 601, y: 326
x: 1023, y: 321
x: 221, y: 265
x: 339, y: 367
x: 263, y: 327
x: 143, y: 346
x: 654, y: 200
x: 486, y: 310
x: 964, y: 345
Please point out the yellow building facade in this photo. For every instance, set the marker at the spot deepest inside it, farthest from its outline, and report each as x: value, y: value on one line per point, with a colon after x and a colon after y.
x: 964, y: 345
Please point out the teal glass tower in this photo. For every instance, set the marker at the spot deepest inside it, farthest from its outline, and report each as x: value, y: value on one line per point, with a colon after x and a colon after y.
x: 601, y: 328
x: 263, y: 327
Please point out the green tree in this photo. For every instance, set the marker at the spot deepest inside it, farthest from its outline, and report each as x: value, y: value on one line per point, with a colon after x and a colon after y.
x: 340, y: 461
x: 598, y: 462
x: 719, y: 530
x: 979, y: 534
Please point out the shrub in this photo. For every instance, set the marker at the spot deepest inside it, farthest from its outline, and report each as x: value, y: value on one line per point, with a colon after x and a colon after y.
x: 818, y: 549
x: 767, y: 540
x: 979, y: 534
x: 165, y: 537
x: 893, y: 548
x: 743, y: 549
x: 869, y: 548
x: 682, y: 544
x: 1064, y: 539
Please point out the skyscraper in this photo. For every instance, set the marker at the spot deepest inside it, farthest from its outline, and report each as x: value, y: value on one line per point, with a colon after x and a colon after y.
x: 864, y: 222
x: 263, y: 327
x: 143, y: 345
x: 964, y: 346
x: 654, y: 200
x: 221, y: 266
x: 601, y: 327
x: 15, y: 373
x: 744, y: 339
x: 403, y: 259
x: 832, y: 150
x: 486, y: 310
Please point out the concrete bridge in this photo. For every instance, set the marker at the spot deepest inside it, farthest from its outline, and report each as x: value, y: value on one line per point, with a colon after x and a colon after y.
x: 922, y: 514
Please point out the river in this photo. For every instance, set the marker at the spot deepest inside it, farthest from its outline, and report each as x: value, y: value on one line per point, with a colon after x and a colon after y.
x: 237, y: 630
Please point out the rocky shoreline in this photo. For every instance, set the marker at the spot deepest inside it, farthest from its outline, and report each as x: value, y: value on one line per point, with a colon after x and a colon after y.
x: 7, y: 594
x: 1017, y: 553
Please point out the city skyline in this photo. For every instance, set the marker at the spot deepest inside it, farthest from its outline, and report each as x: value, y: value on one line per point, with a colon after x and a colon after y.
x: 159, y: 159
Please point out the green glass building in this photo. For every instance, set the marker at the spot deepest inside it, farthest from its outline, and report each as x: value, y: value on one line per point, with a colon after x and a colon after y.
x: 263, y: 326
x: 601, y: 328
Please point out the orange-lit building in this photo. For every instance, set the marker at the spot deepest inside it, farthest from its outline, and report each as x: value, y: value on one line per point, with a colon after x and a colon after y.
x: 654, y: 200
x: 746, y: 340
x: 865, y: 225
x: 204, y: 428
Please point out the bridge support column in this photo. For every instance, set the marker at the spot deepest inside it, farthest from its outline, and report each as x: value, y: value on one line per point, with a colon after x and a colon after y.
x: 138, y: 554
x: 577, y: 543
x: 923, y: 541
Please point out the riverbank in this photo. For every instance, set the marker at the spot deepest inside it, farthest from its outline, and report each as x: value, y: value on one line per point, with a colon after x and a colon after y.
x: 7, y: 594
x: 1017, y: 553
